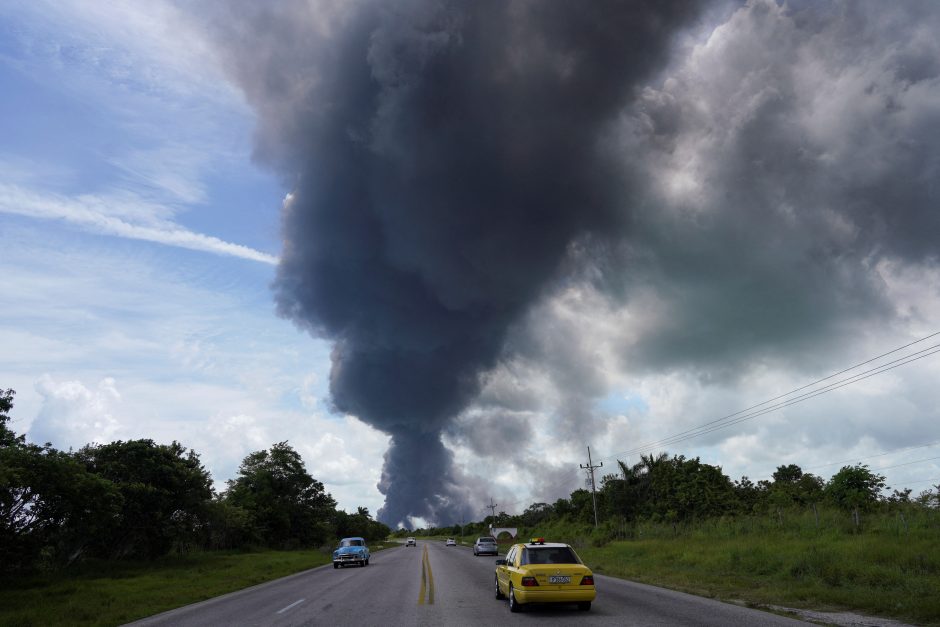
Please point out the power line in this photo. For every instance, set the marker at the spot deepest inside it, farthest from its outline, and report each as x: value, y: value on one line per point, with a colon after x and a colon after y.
x: 935, y: 479
x: 891, y: 452
x: 825, y: 390
x: 747, y: 413
x: 826, y: 378
x: 707, y: 428
x: 855, y: 460
x: 917, y: 461
x: 558, y: 485
x: 724, y: 422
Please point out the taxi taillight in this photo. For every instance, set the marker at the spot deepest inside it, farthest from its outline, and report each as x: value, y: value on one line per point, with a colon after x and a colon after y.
x: 587, y: 580
x: 529, y: 581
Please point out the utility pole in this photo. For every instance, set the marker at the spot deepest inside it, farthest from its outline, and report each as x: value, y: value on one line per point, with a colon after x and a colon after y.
x: 492, y: 506
x: 591, y: 468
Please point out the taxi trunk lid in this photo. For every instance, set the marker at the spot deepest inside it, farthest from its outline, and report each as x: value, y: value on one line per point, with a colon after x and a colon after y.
x: 552, y: 576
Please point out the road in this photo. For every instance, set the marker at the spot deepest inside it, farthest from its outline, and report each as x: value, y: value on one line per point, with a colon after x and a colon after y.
x: 437, y: 585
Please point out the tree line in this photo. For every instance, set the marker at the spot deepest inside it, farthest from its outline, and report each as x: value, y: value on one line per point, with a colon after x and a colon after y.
x: 140, y: 499
x: 677, y: 490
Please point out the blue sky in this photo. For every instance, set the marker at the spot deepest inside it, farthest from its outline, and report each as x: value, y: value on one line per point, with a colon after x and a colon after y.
x: 138, y: 241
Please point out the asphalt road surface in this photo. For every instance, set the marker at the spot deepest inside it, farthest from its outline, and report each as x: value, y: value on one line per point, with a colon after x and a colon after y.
x: 436, y: 585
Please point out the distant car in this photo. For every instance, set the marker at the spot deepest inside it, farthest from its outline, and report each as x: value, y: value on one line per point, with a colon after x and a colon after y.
x: 485, y: 544
x: 450, y: 542
x: 543, y: 572
x: 411, y: 542
x: 351, y: 551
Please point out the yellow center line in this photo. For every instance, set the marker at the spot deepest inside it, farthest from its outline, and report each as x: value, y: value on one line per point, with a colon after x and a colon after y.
x: 427, y: 580
x: 430, y: 581
x: 423, y: 577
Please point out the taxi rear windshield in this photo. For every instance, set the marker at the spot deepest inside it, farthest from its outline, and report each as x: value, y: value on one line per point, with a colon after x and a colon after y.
x: 549, y: 555
x: 491, y: 540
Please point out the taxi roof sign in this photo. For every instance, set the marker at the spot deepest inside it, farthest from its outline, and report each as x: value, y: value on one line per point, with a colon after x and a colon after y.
x: 537, y: 541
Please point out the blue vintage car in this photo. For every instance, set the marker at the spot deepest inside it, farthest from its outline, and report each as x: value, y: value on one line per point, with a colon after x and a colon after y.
x: 351, y: 551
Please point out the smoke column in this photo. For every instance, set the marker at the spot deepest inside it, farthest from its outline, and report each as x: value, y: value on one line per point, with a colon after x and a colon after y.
x: 443, y: 157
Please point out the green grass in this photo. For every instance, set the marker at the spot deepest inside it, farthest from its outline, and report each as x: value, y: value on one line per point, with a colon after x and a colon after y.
x: 890, y: 569
x: 112, y: 593
x: 857, y: 574
x: 886, y: 570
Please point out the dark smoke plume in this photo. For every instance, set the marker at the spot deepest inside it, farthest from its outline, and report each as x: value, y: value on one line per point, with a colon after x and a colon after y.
x: 443, y: 157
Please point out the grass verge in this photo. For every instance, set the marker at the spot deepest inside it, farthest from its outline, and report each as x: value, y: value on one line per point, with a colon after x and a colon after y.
x: 112, y: 593
x: 897, y: 579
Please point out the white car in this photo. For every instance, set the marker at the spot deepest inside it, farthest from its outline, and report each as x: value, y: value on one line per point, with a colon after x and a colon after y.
x: 410, y: 542
x: 450, y: 542
x: 485, y: 544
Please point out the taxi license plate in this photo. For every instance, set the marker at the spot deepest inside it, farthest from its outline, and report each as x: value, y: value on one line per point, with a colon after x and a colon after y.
x: 559, y: 579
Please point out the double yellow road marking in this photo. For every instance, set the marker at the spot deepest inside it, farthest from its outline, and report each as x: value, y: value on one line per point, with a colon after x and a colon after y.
x: 427, y: 580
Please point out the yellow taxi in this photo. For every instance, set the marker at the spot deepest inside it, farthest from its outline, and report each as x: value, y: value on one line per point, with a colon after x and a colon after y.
x: 544, y: 572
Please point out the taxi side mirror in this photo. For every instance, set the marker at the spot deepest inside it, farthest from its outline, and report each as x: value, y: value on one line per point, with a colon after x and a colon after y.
x: 500, y: 562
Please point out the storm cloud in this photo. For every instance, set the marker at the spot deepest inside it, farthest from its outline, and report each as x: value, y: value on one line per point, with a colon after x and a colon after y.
x: 581, y: 189
x: 780, y: 177
x: 792, y: 158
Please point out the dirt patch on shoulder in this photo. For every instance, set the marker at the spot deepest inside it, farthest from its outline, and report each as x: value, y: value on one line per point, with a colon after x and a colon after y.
x: 842, y: 619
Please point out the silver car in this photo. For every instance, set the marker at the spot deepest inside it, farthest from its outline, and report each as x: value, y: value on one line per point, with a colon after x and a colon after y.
x: 485, y: 544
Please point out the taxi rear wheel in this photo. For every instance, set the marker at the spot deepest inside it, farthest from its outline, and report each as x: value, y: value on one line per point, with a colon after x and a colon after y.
x: 513, y: 604
x: 499, y: 594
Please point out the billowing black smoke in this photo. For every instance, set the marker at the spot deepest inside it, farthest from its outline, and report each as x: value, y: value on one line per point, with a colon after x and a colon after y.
x: 443, y: 157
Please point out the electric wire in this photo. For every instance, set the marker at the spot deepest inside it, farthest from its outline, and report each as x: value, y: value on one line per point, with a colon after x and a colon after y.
x: 794, y: 401
x: 891, y: 452
x: 808, y: 385
x: 856, y: 460
x: 935, y: 479
x: 917, y: 461
x: 748, y: 413
x: 724, y: 422
x: 707, y: 428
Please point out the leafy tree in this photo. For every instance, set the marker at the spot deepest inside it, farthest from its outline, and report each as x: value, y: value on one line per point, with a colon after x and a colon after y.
x: 286, y: 505
x: 855, y: 487
x: 582, y: 506
x: 788, y: 475
x: 900, y: 496
x: 701, y: 490
x: 7, y: 437
x: 51, y: 507
x: 810, y: 489
x: 673, y: 489
x: 361, y: 524
x: 228, y: 526
x: 929, y: 498
x: 562, y: 507
x: 792, y: 486
x: 784, y: 489
x: 749, y: 495
x: 166, y: 494
x: 536, y: 513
